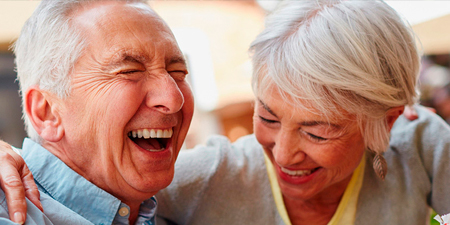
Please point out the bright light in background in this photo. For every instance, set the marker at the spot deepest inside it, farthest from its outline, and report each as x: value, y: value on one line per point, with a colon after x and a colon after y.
x: 413, y: 11
x: 195, y: 45
x: 420, y: 11
x: 268, y: 5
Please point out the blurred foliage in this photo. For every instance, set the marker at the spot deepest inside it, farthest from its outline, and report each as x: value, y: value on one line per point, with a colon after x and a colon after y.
x: 433, y: 221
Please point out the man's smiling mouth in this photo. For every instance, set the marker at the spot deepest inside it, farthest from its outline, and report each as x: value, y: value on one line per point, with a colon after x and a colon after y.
x: 153, y: 140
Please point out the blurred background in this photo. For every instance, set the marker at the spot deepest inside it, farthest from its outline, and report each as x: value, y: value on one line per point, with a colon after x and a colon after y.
x: 215, y: 36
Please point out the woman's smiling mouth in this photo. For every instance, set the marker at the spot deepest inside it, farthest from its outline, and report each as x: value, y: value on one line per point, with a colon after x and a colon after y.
x: 299, y: 173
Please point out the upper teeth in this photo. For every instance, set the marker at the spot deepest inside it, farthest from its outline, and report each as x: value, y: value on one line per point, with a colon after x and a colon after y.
x: 151, y: 133
x: 296, y: 172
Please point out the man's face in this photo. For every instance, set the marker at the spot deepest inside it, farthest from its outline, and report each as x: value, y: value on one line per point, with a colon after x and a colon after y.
x: 129, y: 81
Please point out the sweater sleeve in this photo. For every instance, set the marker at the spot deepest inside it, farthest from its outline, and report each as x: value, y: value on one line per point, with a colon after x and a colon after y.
x: 193, y: 170
x: 431, y: 140
x: 220, y: 183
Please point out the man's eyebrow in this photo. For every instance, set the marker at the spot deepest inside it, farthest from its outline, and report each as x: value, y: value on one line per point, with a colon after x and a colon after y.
x: 127, y: 57
x: 130, y: 58
x: 267, y: 108
x: 176, y: 59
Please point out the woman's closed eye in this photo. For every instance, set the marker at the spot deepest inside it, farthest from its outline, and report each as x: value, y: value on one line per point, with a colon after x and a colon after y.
x: 316, y: 138
x: 267, y: 120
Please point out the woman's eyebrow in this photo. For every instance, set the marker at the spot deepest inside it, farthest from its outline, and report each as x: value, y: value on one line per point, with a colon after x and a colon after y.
x: 319, y: 123
x: 304, y: 123
x: 267, y: 108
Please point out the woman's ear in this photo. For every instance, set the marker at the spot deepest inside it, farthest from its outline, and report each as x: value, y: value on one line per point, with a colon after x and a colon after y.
x: 392, y: 114
x: 40, y: 108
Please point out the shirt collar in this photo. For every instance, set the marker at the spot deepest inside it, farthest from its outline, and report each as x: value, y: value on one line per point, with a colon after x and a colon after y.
x: 74, y: 191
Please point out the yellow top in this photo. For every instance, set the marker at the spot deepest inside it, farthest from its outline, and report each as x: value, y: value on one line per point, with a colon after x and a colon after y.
x: 346, y: 211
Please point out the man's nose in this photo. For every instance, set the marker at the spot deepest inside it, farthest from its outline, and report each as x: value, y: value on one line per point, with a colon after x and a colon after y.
x: 288, y: 150
x: 165, y: 95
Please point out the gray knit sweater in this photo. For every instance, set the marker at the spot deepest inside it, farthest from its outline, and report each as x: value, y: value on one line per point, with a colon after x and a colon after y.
x: 227, y: 183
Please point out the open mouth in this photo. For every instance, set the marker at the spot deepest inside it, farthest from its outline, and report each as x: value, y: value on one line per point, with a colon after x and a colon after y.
x: 153, y: 140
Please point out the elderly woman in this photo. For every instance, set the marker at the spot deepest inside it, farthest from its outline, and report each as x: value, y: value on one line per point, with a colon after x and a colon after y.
x: 331, y: 79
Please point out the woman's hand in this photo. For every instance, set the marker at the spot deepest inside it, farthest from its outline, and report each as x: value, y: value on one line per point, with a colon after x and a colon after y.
x: 17, y: 182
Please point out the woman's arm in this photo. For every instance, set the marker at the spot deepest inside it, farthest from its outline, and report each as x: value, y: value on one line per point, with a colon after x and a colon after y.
x: 17, y: 182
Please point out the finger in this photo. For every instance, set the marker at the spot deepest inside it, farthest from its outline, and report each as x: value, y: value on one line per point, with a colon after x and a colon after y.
x: 433, y: 110
x: 15, y: 193
x: 11, y: 183
x: 410, y: 113
x: 31, y: 190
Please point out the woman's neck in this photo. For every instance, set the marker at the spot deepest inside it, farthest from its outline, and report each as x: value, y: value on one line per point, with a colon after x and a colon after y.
x: 306, y: 213
x: 318, y: 210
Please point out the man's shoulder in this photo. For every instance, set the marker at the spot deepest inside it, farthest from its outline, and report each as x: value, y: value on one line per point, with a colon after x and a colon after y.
x: 59, y: 213
x: 66, y: 196
x: 55, y: 212
x: 4, y: 209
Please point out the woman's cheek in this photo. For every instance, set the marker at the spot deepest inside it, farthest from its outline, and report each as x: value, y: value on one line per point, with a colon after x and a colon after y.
x: 264, y: 135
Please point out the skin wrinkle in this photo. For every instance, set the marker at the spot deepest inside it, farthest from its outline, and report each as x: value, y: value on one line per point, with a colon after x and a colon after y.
x: 106, y: 85
x: 124, y: 56
x: 318, y: 128
x: 329, y: 125
x: 144, y: 88
x: 284, y: 141
x: 302, y: 76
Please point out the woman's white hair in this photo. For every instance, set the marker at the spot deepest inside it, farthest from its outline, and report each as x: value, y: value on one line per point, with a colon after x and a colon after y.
x: 332, y: 56
x: 47, y: 49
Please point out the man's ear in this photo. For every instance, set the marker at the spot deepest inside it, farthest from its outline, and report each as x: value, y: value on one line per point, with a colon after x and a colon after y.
x: 392, y: 114
x: 40, y: 107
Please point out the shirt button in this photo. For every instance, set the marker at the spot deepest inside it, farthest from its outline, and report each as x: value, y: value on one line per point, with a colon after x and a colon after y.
x: 123, y: 211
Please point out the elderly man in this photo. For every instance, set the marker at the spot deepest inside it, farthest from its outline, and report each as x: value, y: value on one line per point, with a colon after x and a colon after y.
x: 107, y: 108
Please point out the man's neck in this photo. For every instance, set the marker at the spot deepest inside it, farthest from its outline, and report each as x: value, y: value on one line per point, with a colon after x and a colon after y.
x: 134, y: 212
x: 133, y: 216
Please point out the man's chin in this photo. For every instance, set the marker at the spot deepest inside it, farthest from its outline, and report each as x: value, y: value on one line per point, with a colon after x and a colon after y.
x: 155, y: 181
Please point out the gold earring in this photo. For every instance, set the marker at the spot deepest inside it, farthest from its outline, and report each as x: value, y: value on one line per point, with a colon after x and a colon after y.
x: 380, y: 166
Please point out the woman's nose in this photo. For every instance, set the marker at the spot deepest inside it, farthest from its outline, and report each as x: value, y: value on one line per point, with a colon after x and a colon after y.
x: 288, y: 150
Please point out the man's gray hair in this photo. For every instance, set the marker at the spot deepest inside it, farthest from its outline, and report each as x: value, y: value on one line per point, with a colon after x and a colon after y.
x: 47, y: 49
x: 357, y: 57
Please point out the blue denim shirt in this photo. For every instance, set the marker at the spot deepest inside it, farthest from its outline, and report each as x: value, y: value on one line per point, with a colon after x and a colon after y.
x: 69, y: 197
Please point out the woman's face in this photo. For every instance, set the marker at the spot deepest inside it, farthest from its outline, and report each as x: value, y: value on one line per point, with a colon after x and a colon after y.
x: 313, y: 157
